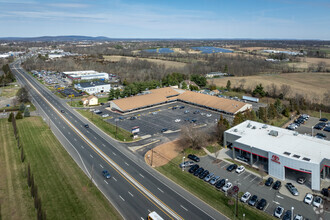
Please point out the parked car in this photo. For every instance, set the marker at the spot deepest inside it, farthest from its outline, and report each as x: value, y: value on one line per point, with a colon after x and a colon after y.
x: 242, y: 158
x: 321, y: 136
x: 193, y: 120
x: 106, y: 174
x: 186, y: 164
x: 253, y: 200
x: 317, y: 201
x: 245, y: 197
x: 208, y: 177
x: 105, y: 115
x: 208, y: 115
x: 186, y: 112
x: 262, y: 204
x: 227, y: 186
x: 214, y: 180
x: 293, y: 190
x: 204, y: 174
x: 181, y: 107
x: 320, y: 125
x: 193, y: 168
x: 196, y: 112
x: 327, y: 129
x: 287, y: 215
x: 308, y: 198
x: 269, y: 181
x: 278, y: 212
x: 198, y: 171
x: 177, y: 120
x: 240, y: 169
x: 324, y: 119
x: 220, y: 184
x: 193, y: 157
x: 235, y: 189
x: 163, y: 130
x: 231, y: 167
x: 277, y: 185
x: 133, y: 118
x: 298, y: 217
x: 301, y: 180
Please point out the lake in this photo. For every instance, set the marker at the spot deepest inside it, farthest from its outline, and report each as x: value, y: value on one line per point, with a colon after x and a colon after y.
x: 212, y: 50
x: 159, y: 50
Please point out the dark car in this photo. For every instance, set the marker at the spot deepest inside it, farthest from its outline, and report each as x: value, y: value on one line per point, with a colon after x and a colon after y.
x: 132, y: 118
x: 101, y: 103
x: 163, y: 130
x: 324, y: 119
x: 231, y: 167
x: 196, y: 112
x: 174, y: 107
x: 327, y: 129
x: 62, y: 111
x: 320, y: 126
x: 269, y: 181
x: 287, y: 215
x: 277, y: 185
x: 193, y: 168
x: 106, y: 174
x: 86, y: 126
x: 321, y: 136
x: 261, y: 204
x: 220, y: 184
x: 199, y: 171
x: 204, y: 174
x: 193, y: 157
x: 181, y: 107
x: 193, y: 120
x: 253, y: 200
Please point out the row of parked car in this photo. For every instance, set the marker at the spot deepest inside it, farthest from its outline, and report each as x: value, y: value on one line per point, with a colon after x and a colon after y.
x: 300, y: 120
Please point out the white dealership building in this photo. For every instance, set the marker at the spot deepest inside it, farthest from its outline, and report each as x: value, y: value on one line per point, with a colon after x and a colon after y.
x: 285, y: 153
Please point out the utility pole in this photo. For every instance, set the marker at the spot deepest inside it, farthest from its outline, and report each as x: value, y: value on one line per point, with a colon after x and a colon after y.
x: 116, y: 120
x: 152, y: 156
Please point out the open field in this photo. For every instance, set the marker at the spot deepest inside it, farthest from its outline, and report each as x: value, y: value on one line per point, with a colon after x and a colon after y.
x: 311, y: 85
x: 167, y: 64
x: 9, y: 91
x: 65, y: 191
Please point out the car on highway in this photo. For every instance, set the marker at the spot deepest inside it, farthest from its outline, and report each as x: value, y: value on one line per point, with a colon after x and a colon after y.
x: 204, y: 174
x: 227, y: 186
x: 240, y: 169
x: 86, y: 126
x: 186, y: 164
x: 308, y: 198
x: 193, y: 157
x: 292, y: 189
x: 220, y: 184
x: 193, y: 168
x: 277, y: 185
x: 163, y: 130
x: 253, y: 200
x: 177, y: 120
x: 246, y: 196
x: 298, y: 217
x: 317, y: 201
x: 199, y: 171
x: 262, y: 204
x: 231, y: 167
x: 106, y: 174
x: 62, y: 111
x: 279, y: 210
x: 208, y: 177
x: 301, y: 180
x: 105, y: 115
x: 269, y: 181
x: 214, y: 180
x: 287, y: 215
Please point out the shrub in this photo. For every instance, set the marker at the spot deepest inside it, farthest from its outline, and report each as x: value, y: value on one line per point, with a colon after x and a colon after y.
x: 19, y: 115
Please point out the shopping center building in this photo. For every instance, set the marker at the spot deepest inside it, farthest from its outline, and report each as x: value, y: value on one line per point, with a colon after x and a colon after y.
x: 281, y: 151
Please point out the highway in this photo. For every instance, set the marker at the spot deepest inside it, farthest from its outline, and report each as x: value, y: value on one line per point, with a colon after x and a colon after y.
x: 135, y: 189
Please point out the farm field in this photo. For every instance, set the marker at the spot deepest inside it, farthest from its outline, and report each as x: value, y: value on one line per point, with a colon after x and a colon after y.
x: 168, y: 64
x: 311, y: 85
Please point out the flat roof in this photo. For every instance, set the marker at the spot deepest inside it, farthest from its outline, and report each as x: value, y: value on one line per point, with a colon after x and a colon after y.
x: 91, y: 84
x: 287, y: 143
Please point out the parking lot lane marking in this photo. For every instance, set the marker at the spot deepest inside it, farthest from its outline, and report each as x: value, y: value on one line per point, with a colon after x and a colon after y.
x: 149, y: 210
x: 184, y: 208
x: 82, y: 147
x: 88, y: 132
x: 224, y: 165
x: 114, y: 179
x: 276, y: 202
x: 266, y: 207
x: 80, y: 125
x: 141, y: 175
x: 247, y: 176
x: 69, y: 132
x: 240, y: 174
x: 160, y: 190
x: 279, y: 197
x: 103, y: 145
x: 142, y: 218
x: 270, y: 188
x: 74, y: 139
x: 127, y: 164
x: 115, y: 154
x: 95, y: 138
x: 121, y: 198
x: 106, y: 182
x: 130, y: 193
x: 253, y: 179
x: 101, y: 166
x: 91, y: 156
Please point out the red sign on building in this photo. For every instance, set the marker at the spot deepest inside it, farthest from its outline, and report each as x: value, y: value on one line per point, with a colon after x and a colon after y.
x: 275, y: 159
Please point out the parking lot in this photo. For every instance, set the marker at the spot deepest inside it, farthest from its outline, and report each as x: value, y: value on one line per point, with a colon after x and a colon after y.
x: 251, y: 182
x: 306, y: 128
x: 152, y: 121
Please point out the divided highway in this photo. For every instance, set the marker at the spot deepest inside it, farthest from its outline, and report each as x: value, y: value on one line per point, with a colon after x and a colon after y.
x: 135, y: 189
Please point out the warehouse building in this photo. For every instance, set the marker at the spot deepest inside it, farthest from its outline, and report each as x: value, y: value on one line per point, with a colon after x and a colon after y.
x: 93, y: 87
x: 86, y: 75
x: 285, y: 153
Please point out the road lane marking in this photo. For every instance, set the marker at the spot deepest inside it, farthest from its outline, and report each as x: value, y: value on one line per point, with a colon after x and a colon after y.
x: 88, y: 132
x: 91, y: 156
x: 103, y: 145
x: 122, y: 198
x: 115, y: 154
x: 69, y: 132
x: 224, y: 165
x: 276, y: 202
x: 82, y: 147
x: 141, y: 175
x: 160, y: 190
x: 101, y: 166
x: 126, y: 163
x: 184, y: 208
x: 270, y: 188
x: 106, y: 182
x: 130, y: 193
x: 74, y: 139
x: 63, y: 127
x: 279, y: 197
x: 95, y: 138
x: 114, y: 179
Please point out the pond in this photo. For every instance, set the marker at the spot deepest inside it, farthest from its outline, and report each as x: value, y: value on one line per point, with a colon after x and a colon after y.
x: 212, y: 50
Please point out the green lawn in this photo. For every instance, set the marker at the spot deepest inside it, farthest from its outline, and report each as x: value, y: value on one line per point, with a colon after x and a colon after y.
x: 108, y: 128
x: 75, y: 103
x: 9, y: 91
x: 32, y: 107
x: 317, y: 114
x: 279, y: 122
x: 208, y: 193
x: 103, y: 99
x: 65, y: 191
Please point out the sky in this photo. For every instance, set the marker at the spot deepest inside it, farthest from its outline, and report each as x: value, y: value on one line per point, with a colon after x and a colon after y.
x: 196, y: 19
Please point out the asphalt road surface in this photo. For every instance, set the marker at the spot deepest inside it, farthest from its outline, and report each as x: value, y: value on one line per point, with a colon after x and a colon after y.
x: 135, y: 189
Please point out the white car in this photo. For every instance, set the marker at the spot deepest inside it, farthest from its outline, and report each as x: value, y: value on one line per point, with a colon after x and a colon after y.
x: 208, y: 115
x: 105, y: 115
x: 298, y: 217
x: 177, y: 120
x: 317, y: 201
x: 245, y: 197
x: 308, y: 198
x: 278, y: 212
x: 226, y: 187
x: 240, y: 169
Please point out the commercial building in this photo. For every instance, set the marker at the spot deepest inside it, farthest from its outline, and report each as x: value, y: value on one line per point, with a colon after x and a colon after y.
x: 284, y: 153
x: 93, y: 87
x: 90, y: 100
x: 86, y: 75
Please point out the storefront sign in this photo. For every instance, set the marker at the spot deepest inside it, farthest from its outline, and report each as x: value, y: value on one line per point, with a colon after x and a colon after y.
x: 275, y: 159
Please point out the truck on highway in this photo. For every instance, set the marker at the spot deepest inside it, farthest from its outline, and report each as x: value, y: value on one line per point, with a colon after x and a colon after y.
x: 154, y: 216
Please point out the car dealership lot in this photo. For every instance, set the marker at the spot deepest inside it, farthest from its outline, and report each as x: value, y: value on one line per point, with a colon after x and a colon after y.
x: 306, y: 128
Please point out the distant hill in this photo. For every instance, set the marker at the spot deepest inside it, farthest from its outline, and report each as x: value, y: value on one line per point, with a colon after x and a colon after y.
x: 57, y: 38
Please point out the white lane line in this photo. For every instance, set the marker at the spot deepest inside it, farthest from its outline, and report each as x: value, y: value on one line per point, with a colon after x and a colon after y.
x: 270, y: 188
x: 130, y: 193
x: 69, y: 132
x: 106, y: 182
x: 184, y: 208
x: 82, y: 147
x: 266, y: 207
x: 80, y: 125
x: 115, y: 154
x: 126, y: 163
x: 240, y: 174
x: 142, y: 218
x: 141, y: 175
x: 276, y: 202
x: 94, y: 137
x: 279, y: 197
x: 114, y: 179
x: 63, y: 127
x: 247, y: 176
x: 160, y: 190
x: 74, y: 139
x: 149, y: 210
x: 101, y: 166
x: 91, y: 156
x: 253, y: 179
x: 224, y: 165
x: 103, y: 145
x: 122, y: 198
x: 88, y: 132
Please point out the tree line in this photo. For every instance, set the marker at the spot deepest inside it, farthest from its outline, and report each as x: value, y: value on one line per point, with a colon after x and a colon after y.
x: 7, y: 77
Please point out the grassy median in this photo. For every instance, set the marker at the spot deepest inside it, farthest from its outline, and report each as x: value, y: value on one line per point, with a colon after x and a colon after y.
x: 208, y: 193
x: 65, y: 191
x: 108, y: 128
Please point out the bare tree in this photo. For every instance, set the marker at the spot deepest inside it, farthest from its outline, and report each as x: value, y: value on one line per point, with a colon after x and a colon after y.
x: 192, y: 137
x: 285, y: 90
x: 272, y: 90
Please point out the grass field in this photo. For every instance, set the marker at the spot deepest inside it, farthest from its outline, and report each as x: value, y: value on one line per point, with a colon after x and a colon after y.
x: 311, y: 85
x: 208, y: 193
x: 65, y: 191
x: 168, y: 64
x: 108, y: 128
x: 9, y: 91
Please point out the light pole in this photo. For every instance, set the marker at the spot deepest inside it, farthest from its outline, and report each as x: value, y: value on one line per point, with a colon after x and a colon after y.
x: 312, y: 131
x: 243, y: 216
x: 116, y: 120
x: 183, y: 163
x: 292, y: 208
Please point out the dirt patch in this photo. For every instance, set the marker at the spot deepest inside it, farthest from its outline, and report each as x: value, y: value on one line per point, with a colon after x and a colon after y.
x: 162, y: 154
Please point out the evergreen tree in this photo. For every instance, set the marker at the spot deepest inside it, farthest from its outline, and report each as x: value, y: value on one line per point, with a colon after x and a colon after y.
x: 259, y: 91
x: 271, y: 113
x: 19, y: 115
x: 228, y: 86
x: 262, y: 114
x: 22, y: 107
x: 184, y: 85
x: 11, y: 116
